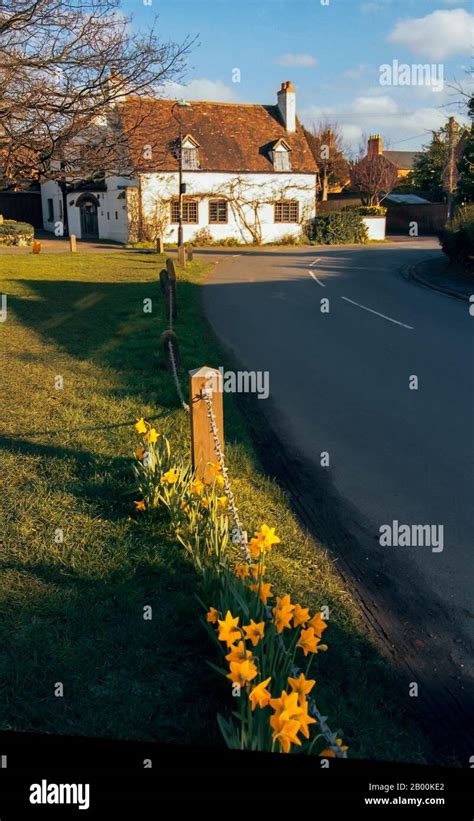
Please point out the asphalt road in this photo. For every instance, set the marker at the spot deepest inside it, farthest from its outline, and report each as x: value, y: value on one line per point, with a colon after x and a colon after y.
x: 339, y: 382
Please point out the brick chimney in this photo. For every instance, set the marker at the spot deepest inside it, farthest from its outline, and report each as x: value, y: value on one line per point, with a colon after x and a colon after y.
x: 287, y: 105
x: 374, y: 145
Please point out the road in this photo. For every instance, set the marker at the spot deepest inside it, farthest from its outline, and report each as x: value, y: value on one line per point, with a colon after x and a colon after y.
x: 339, y: 383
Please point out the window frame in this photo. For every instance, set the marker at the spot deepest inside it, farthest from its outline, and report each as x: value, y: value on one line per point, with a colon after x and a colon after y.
x: 218, y: 202
x: 186, y: 202
x: 282, y: 154
x: 50, y: 207
x: 281, y: 204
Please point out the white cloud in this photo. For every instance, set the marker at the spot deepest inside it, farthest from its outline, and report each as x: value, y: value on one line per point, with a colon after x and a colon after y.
x: 213, y: 90
x: 298, y: 60
x: 316, y: 114
x: 377, y: 106
x: 437, y: 36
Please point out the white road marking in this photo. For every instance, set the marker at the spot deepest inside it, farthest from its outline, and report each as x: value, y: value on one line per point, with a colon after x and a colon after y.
x: 316, y: 279
x: 314, y: 262
x: 371, y: 311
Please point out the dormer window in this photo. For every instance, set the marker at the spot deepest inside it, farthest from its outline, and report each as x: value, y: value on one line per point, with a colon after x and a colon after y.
x: 190, y: 154
x: 281, y: 156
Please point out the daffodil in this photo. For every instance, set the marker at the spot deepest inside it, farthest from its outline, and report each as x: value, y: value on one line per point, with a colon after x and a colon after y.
x: 300, y: 615
x: 205, y: 503
x: 318, y: 625
x: 329, y: 753
x: 284, y: 601
x: 139, y: 505
x: 269, y: 536
x: 282, y: 617
x: 242, y: 570
x: 308, y: 641
x: 151, y: 436
x: 286, y: 708
x: 197, y: 487
x: 214, y: 469
x: 286, y: 735
x: 254, y: 631
x: 260, y: 696
x: 242, y: 672
x: 141, y: 426
x: 302, y: 685
x: 222, y: 501
x: 171, y: 476
x: 213, y: 615
x: 265, y: 591
x: 220, y: 481
x: 229, y: 629
x: 305, y: 719
x: 238, y: 652
x: 139, y: 453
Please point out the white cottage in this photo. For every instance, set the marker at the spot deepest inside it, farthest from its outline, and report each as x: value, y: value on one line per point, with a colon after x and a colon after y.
x: 247, y: 174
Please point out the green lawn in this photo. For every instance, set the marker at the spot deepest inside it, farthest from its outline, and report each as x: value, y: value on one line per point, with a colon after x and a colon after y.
x: 71, y: 612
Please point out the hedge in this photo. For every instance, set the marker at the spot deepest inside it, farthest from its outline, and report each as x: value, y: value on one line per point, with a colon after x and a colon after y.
x: 16, y: 233
x: 338, y: 227
x: 457, y: 238
x: 367, y: 210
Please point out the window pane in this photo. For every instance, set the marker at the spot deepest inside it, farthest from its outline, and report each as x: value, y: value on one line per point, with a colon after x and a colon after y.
x: 190, y: 211
x: 287, y: 211
x: 218, y: 211
x: 190, y: 158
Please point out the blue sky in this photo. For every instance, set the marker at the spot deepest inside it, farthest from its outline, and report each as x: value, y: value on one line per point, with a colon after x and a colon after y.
x: 332, y: 50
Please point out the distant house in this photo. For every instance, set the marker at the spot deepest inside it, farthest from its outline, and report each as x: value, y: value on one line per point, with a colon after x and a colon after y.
x: 248, y: 174
x: 402, y: 160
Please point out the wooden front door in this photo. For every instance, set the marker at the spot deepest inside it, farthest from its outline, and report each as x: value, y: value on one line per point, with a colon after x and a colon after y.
x: 89, y: 222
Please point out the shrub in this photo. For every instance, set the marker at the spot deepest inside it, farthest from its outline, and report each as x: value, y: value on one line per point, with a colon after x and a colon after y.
x: 16, y: 233
x: 457, y: 238
x: 289, y: 239
x: 366, y: 210
x: 339, y: 227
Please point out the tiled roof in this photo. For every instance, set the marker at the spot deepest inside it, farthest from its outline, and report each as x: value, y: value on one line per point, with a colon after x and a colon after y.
x: 232, y: 137
x: 402, y: 159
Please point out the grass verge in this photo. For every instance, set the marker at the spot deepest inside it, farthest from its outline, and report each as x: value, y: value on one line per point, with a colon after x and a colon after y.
x: 72, y: 611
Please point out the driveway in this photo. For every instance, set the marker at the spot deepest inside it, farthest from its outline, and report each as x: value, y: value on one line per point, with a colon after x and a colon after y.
x: 339, y: 383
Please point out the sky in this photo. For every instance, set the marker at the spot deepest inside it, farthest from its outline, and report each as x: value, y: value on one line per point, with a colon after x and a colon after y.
x: 332, y: 51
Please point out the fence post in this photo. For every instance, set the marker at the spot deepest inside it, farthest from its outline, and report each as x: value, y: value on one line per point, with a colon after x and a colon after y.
x: 159, y: 245
x: 189, y: 253
x: 202, y: 442
x: 182, y: 256
x: 72, y: 243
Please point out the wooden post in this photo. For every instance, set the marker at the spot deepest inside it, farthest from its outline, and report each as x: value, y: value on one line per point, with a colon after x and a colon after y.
x: 164, y: 280
x: 189, y: 253
x: 182, y: 256
x: 159, y: 245
x: 72, y: 243
x: 202, y: 442
x: 170, y: 268
x: 1, y: 219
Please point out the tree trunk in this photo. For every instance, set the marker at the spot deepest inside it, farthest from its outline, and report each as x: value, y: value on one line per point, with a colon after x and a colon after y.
x: 324, y: 186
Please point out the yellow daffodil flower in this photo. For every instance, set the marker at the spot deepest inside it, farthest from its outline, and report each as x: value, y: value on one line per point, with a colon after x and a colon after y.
x: 205, y: 503
x: 286, y: 735
x: 141, y: 426
x: 254, y: 632
x: 260, y: 696
x: 268, y: 535
x: 229, y: 629
x: 282, y: 617
x: 305, y: 719
x: 139, y: 453
x: 255, y: 547
x: 213, y: 615
x: 239, y: 653
x: 214, y: 469
x: 243, y: 672
x: 220, y: 482
x: 171, y: 476
x: 308, y: 641
x: 302, y: 685
x: 286, y: 708
x: 300, y: 615
x: 197, y: 487
x: 139, y: 505
x: 151, y: 436
x: 242, y: 570
x: 265, y: 589
x: 317, y: 624
x: 328, y: 753
x: 222, y: 501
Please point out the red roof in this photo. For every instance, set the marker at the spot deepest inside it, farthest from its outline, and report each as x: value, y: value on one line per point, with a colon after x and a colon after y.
x: 232, y: 137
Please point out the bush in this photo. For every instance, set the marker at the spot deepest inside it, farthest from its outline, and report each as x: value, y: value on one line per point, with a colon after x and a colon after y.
x: 339, y: 227
x: 366, y: 210
x: 16, y: 233
x: 457, y: 238
x: 289, y: 239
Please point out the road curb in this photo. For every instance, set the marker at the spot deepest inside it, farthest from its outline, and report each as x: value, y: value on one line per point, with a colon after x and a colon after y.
x: 412, y: 273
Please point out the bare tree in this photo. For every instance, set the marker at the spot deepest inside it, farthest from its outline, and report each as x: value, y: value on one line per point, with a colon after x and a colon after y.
x: 326, y: 144
x: 64, y: 69
x: 374, y: 177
